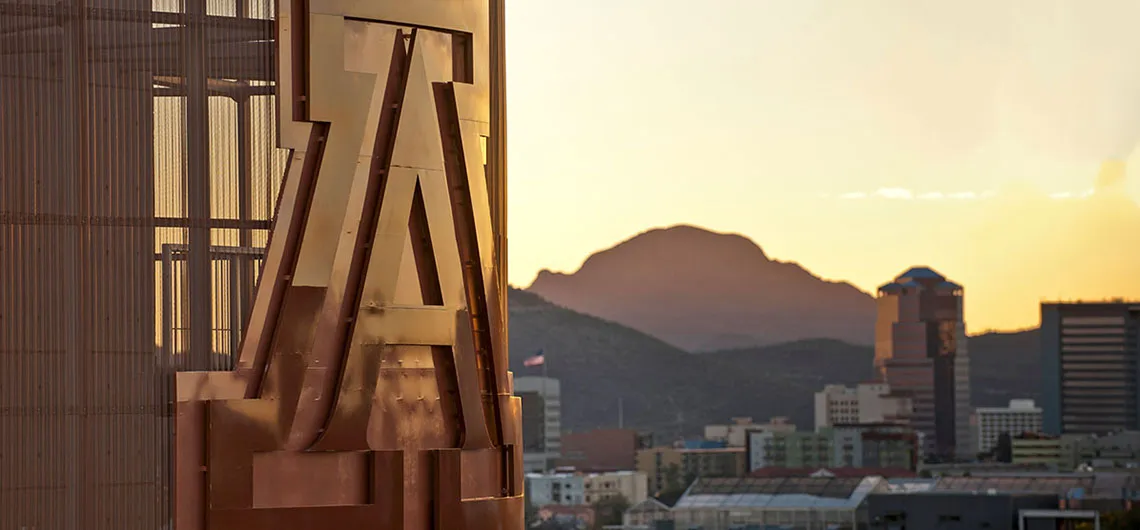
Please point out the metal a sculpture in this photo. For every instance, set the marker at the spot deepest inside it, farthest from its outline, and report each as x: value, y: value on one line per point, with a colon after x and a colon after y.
x: 372, y: 389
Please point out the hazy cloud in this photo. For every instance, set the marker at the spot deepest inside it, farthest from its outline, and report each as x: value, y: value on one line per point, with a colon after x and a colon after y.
x: 905, y: 194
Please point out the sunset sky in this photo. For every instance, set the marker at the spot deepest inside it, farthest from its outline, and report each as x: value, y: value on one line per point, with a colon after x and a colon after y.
x: 856, y: 138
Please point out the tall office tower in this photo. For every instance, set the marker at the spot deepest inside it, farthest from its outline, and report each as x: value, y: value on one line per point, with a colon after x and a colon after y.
x: 920, y: 351
x: 1091, y: 361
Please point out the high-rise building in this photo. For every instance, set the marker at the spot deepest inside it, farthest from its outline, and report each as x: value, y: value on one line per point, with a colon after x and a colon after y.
x: 541, y: 421
x: 1091, y: 361
x: 920, y: 351
x: 1021, y: 416
x: 865, y: 403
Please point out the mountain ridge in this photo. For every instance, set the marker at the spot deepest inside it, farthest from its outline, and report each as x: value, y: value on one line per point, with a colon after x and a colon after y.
x: 704, y: 290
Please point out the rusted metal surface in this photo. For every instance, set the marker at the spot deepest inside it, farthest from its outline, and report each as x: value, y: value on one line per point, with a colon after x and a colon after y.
x: 363, y: 383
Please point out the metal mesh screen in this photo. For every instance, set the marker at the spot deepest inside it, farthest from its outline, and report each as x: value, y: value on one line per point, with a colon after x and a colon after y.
x: 138, y: 174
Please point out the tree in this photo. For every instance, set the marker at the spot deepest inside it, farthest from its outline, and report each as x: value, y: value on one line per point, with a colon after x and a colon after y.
x: 673, y: 478
x: 609, y: 511
x: 1003, y: 452
x: 675, y: 485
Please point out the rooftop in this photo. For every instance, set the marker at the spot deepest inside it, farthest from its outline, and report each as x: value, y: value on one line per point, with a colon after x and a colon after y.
x: 831, y: 472
x: 799, y: 492
x: 925, y: 273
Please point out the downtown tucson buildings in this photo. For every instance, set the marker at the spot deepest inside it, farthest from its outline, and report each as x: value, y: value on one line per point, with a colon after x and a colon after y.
x: 1091, y: 373
x: 920, y: 352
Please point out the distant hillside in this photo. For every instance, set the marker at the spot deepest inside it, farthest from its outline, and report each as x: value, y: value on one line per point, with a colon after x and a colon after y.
x: 669, y: 391
x: 702, y: 291
x: 666, y: 389
x: 1005, y: 366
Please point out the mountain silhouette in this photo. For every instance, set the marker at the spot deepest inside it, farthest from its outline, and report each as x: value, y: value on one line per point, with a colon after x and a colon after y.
x: 700, y: 290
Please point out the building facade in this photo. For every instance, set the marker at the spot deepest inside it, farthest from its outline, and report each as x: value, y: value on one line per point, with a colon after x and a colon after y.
x: 662, y: 468
x: 1021, y: 416
x: 1090, y: 358
x: 541, y: 422
x: 602, y: 450
x: 879, y: 446
x: 920, y: 351
x: 715, y: 462
x: 735, y: 434
x: 875, y: 446
x: 1054, y: 452
x: 862, y: 404
x: 567, y: 489
x: 578, y: 489
x: 790, y: 449
x: 817, y: 503
x: 644, y: 515
x: 633, y: 486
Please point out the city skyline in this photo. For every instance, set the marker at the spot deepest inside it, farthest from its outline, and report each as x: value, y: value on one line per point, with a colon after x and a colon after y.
x: 856, y: 140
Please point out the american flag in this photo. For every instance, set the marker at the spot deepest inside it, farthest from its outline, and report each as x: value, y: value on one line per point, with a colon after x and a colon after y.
x: 537, y: 359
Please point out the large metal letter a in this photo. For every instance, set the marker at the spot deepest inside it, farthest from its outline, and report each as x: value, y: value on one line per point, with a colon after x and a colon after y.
x: 372, y: 389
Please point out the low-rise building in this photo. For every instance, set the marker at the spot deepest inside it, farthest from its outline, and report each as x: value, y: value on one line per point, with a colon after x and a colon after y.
x: 1071, y: 452
x: 630, y: 485
x: 1033, y: 448
x: 601, y: 450
x: 875, y: 446
x: 575, y: 489
x: 644, y: 515
x: 565, y: 489
x: 864, y: 403
x: 1116, y: 450
x: 576, y: 517
x: 791, y: 449
x: 942, y: 510
x: 735, y: 434
x: 682, y: 464
x: 805, y: 503
x: 860, y: 446
x: 661, y: 465
x: 713, y: 462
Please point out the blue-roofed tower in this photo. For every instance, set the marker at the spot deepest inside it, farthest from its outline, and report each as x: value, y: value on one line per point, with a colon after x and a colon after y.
x: 920, y: 351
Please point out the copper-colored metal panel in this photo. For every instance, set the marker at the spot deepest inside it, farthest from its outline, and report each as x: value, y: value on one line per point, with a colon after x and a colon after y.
x: 315, y: 479
x: 371, y: 389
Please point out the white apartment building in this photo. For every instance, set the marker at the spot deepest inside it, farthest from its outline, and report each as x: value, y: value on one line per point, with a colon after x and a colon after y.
x: 541, y: 421
x: 577, y: 489
x: 633, y: 485
x: 566, y: 489
x: 866, y: 403
x: 1022, y: 415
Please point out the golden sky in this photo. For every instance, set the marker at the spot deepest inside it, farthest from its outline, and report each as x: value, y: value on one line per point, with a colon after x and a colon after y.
x: 857, y: 138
